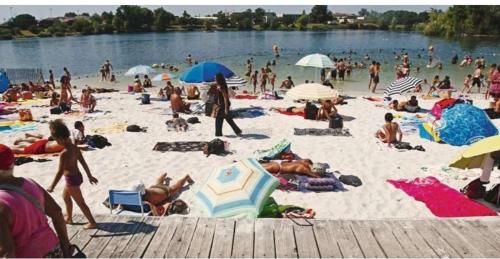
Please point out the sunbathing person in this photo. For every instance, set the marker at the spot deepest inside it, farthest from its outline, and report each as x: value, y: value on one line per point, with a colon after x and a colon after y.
x: 138, y: 86
x: 12, y: 94
x: 169, y: 89
x: 87, y: 101
x: 291, y: 109
x: 4, y: 110
x: 390, y: 132
x: 178, y: 105
x: 397, y: 106
x: 301, y: 167
x: 192, y: 92
x: 326, y: 111
x: 36, y: 144
x: 178, y: 123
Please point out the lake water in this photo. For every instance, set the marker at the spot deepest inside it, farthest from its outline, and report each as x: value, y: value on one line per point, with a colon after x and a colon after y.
x: 84, y: 54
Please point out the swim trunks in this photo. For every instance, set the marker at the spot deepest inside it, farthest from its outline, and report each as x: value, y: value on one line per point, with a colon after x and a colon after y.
x: 73, y: 180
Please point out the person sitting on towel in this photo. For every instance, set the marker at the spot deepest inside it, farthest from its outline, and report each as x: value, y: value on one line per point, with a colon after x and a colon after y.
x: 326, y: 111
x: 12, y: 94
x: 36, y: 144
x: 412, y: 104
x: 178, y: 105
x: 302, y: 167
x: 397, y: 106
x: 390, y: 132
x: 192, y: 92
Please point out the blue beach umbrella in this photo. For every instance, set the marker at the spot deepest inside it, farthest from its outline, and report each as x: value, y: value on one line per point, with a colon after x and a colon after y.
x: 464, y: 124
x: 205, y: 72
x: 237, y: 190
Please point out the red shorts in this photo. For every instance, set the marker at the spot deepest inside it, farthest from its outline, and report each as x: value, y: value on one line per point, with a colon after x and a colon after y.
x: 36, y: 148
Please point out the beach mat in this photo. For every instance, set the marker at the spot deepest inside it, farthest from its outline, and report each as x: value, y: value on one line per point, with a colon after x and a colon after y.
x: 251, y: 112
x: 321, y: 132
x: 441, y: 200
x: 17, y: 127
x: 180, y: 146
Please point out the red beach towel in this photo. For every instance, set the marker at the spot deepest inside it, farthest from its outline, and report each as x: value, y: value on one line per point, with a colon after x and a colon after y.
x: 292, y: 113
x: 245, y: 96
x: 441, y: 200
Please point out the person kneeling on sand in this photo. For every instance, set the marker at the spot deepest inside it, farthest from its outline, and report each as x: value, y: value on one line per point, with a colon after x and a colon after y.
x: 192, y: 92
x: 178, y: 105
x: 302, y: 167
x: 390, y: 132
x: 36, y: 144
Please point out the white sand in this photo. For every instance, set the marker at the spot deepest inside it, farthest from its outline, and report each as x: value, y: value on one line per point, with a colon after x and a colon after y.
x: 131, y: 159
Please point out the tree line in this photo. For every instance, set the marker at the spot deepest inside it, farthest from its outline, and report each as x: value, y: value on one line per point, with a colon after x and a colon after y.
x: 456, y: 21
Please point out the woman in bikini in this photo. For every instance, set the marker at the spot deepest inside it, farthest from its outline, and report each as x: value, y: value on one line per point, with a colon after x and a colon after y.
x: 390, y: 132
x: 35, y: 145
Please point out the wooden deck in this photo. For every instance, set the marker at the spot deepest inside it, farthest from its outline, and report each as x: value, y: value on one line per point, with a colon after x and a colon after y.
x: 125, y: 236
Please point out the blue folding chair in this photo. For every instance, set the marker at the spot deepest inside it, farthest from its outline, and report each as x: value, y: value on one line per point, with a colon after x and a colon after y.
x: 126, y: 198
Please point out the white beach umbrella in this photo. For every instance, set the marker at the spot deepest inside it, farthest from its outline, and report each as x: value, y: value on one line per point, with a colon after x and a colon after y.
x: 315, y: 60
x: 311, y: 92
x: 140, y: 70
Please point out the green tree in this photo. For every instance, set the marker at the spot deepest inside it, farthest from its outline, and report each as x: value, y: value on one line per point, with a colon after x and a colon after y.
x: 163, y: 19
x: 363, y: 12
x: 118, y: 21
x: 185, y: 19
x: 23, y: 21
x: 107, y: 18
x: 259, y: 16
x: 208, y: 25
x: 83, y: 26
x: 302, y: 21
x: 320, y: 14
x: 222, y: 20
x: 70, y: 14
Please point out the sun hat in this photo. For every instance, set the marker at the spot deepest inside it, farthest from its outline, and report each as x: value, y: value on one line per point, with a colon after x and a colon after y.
x: 6, y: 157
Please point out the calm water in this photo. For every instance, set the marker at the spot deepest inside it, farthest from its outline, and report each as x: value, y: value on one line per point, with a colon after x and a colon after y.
x: 84, y: 54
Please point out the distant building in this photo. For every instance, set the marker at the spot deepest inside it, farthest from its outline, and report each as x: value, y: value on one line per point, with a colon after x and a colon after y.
x: 289, y: 16
x: 347, y: 18
x: 205, y: 18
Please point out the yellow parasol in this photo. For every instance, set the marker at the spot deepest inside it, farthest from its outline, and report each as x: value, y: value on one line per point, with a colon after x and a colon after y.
x: 473, y: 156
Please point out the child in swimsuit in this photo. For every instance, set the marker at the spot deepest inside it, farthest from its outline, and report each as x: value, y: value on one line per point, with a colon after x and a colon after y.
x: 390, y: 133
x: 68, y: 167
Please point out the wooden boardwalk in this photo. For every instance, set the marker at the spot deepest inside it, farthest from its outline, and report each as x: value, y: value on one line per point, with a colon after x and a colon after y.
x: 125, y: 236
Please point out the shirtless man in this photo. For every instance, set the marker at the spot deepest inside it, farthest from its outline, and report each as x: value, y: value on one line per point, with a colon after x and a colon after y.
x: 107, y: 69
x: 66, y: 95
x: 276, y: 51
x: 476, y: 78
x: 371, y: 72
x: 67, y: 74
x: 390, y: 133
x: 288, y: 83
x: 301, y: 167
x: 178, y: 105
x: 169, y: 89
x: 192, y: 92
x: 376, y: 77
x: 36, y: 144
x: 254, y: 79
x: 326, y: 111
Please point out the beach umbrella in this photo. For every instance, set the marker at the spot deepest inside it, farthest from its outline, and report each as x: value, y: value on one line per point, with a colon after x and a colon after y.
x: 140, y: 70
x: 315, y: 60
x: 402, y: 85
x: 311, y: 91
x: 464, y: 124
x: 473, y: 156
x: 237, y: 190
x: 205, y: 73
x: 235, y: 81
x: 164, y: 77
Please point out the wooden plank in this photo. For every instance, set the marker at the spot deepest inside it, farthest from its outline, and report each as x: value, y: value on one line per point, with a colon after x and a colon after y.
x: 455, y: 239
x: 83, y: 236
x: 120, y: 241
x: 366, y: 240
x: 107, y: 230
x: 182, y: 238
x: 386, y: 239
x: 264, y: 239
x: 222, y: 245
x: 202, y: 239
x: 243, y: 239
x: 406, y: 242
x: 162, y: 238
x: 284, y: 239
x: 327, y: 244
x: 416, y: 239
x: 475, y: 238
x: 305, y: 239
x: 72, y: 229
x: 440, y: 247
x: 348, y: 245
x: 493, y: 225
x: 140, y: 241
x: 492, y: 233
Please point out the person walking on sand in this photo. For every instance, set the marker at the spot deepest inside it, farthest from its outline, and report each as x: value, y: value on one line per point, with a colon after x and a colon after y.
x: 476, y: 78
x: 68, y: 167
x: 254, y: 79
x: 263, y: 80
x: 371, y: 73
x: 223, y: 106
x: 24, y: 207
x: 107, y: 69
x: 273, y: 81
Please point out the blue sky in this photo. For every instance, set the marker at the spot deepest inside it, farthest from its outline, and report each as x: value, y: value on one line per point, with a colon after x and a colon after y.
x: 41, y: 12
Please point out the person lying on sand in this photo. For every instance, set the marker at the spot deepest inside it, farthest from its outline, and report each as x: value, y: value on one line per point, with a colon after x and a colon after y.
x: 192, y: 92
x: 159, y: 196
x: 12, y: 94
x: 302, y: 167
x: 36, y: 144
x: 178, y: 105
x: 4, y: 110
x: 390, y: 132
x: 180, y: 124
x: 397, y: 106
x: 292, y: 109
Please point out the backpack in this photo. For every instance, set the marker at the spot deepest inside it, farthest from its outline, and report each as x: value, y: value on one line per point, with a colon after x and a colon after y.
x: 493, y: 195
x: 56, y: 110
x: 135, y: 128
x: 474, y: 190
x: 310, y: 112
x: 216, y: 146
x: 336, y: 123
x: 98, y: 141
x: 193, y: 120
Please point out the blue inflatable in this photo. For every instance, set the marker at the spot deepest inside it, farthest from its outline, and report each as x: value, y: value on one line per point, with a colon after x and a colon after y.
x: 205, y: 72
x: 464, y: 124
x: 4, y: 82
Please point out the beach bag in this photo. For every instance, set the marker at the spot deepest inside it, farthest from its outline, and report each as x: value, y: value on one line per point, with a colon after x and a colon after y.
x: 336, y: 123
x: 64, y: 107
x: 193, y: 120
x: 474, y: 190
x: 145, y: 99
x: 216, y: 146
x: 310, y: 112
x: 493, y: 195
x: 55, y: 110
x: 25, y: 115
x: 135, y: 128
x: 98, y: 141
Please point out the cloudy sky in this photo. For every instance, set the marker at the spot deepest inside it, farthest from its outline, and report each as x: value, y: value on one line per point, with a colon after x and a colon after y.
x: 41, y: 12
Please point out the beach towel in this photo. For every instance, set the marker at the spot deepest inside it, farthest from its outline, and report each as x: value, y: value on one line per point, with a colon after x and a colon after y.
x: 180, y: 146
x: 16, y: 126
x: 301, y: 114
x: 283, y: 145
x: 441, y: 200
x: 322, y: 132
x: 114, y: 128
x: 251, y: 112
x: 245, y: 97
x: 426, y: 131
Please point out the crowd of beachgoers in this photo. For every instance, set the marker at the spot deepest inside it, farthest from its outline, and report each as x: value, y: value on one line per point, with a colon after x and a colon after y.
x: 331, y: 157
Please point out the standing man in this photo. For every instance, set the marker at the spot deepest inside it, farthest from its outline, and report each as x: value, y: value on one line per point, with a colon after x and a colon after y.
x: 371, y: 73
x: 107, y: 69
x: 249, y: 68
x: 67, y: 74
x: 51, y: 79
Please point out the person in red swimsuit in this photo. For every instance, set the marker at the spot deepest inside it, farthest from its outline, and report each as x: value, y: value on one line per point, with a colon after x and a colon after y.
x: 36, y: 144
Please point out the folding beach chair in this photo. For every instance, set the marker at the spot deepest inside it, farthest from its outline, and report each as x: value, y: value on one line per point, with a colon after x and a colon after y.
x: 127, y: 198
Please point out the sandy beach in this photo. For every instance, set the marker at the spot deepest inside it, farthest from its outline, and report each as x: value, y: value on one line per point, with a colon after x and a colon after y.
x: 131, y: 159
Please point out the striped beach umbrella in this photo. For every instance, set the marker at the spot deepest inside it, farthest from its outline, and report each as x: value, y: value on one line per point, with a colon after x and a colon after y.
x: 237, y: 190
x: 140, y: 70
x: 402, y: 85
x: 311, y: 91
x: 164, y: 77
x: 235, y: 81
x: 315, y: 60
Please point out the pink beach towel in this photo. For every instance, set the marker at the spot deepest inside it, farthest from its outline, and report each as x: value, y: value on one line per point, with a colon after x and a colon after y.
x: 245, y: 96
x: 442, y: 200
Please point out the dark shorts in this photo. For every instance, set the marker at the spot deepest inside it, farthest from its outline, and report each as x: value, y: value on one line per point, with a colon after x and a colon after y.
x: 476, y: 81
x: 372, y: 75
x: 341, y: 73
x: 376, y: 79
